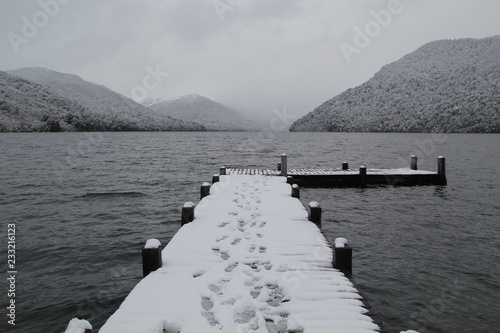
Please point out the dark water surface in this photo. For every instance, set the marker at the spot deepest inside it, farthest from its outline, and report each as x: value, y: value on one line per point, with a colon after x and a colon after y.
x: 84, y: 204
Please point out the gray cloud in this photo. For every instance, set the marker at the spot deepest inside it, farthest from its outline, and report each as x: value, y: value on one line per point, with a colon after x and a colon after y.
x: 260, y: 55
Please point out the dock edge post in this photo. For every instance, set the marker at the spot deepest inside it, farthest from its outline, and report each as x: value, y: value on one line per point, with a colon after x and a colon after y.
x: 215, y: 178
x: 279, y: 166
x: 345, y: 165
x: 362, y: 175
x: 151, y: 256
x: 222, y: 170
x: 442, y: 170
x: 315, y: 213
x: 342, y: 258
x: 289, y: 180
x: 413, y: 162
x: 187, y: 214
x: 284, y: 169
x: 295, y: 191
x: 204, y: 190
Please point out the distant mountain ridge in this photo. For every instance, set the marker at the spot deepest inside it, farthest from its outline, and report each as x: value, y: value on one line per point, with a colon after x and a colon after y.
x: 94, y: 106
x: 444, y: 86
x: 29, y: 107
x: 214, y: 116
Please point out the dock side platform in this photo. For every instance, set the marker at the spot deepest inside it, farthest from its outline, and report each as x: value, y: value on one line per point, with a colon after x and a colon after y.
x: 250, y: 261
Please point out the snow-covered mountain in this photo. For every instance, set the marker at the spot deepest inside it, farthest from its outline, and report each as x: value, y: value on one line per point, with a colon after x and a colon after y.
x: 214, y: 116
x: 107, y: 109
x: 444, y: 86
x: 26, y: 106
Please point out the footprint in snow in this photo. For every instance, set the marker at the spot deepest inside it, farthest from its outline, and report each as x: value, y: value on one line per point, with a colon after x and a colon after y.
x: 255, y: 292
x: 230, y: 267
x: 206, y: 303
x: 221, y: 238
x: 224, y: 255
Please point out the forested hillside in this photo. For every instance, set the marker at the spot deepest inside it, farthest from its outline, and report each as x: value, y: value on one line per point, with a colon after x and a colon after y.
x: 444, y: 86
x: 38, y: 99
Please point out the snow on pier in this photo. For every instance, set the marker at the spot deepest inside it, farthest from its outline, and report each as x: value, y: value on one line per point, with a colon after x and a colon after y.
x: 327, y: 172
x: 250, y: 261
x: 345, y: 177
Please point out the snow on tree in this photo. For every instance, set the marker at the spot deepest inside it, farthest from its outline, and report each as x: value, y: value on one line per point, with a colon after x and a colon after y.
x: 444, y: 86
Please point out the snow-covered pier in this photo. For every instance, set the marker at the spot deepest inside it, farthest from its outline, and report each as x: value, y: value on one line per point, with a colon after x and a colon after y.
x: 247, y: 259
x: 346, y: 177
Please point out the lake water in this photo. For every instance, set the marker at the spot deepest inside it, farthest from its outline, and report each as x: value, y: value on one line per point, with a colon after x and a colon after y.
x: 427, y: 257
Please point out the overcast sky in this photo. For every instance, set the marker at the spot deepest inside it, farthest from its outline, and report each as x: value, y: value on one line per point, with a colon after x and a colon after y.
x: 255, y: 55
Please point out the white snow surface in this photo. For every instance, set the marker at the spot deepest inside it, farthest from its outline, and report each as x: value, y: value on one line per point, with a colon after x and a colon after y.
x: 340, y: 242
x: 313, y: 204
x: 326, y: 172
x: 76, y: 325
x: 249, y: 262
x: 152, y: 244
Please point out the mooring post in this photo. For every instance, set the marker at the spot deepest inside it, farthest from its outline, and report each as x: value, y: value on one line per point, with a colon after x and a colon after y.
x: 187, y: 214
x: 279, y: 166
x: 413, y: 162
x: 295, y: 191
x: 151, y: 256
x: 315, y: 213
x: 215, y: 178
x: 284, y: 165
x: 362, y: 175
x: 289, y: 180
x: 204, y: 190
x: 342, y: 259
x: 222, y: 170
x: 345, y: 165
x: 442, y: 170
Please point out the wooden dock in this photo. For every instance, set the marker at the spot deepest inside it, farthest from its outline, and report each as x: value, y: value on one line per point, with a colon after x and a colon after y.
x: 248, y: 258
x: 346, y: 177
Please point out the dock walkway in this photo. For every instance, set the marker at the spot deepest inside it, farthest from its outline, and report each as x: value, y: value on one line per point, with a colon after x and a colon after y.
x: 250, y: 261
x: 345, y: 177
